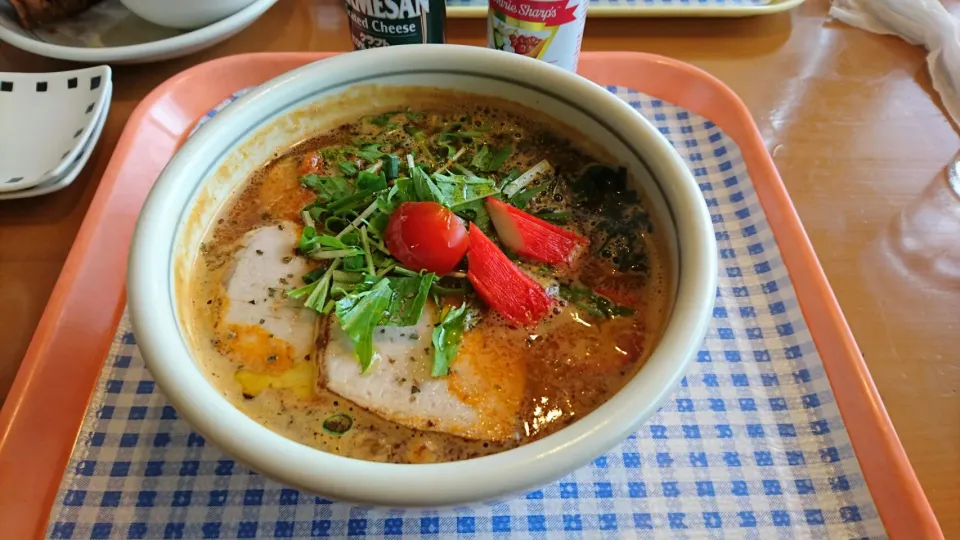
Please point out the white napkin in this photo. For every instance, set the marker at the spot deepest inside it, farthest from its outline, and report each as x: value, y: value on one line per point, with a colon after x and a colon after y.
x: 919, y: 22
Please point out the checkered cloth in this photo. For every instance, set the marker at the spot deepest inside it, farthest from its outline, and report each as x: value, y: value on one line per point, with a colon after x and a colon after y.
x: 640, y: 4
x: 750, y: 446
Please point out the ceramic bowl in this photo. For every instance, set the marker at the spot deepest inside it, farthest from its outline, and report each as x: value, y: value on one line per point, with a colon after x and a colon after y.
x: 216, y: 161
x: 109, y: 34
x: 47, y: 120
x: 185, y: 14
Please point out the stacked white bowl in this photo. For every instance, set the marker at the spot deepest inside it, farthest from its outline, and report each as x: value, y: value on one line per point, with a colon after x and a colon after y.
x: 49, y: 126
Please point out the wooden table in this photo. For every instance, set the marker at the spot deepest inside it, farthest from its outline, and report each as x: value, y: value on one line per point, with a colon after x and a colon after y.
x: 851, y: 119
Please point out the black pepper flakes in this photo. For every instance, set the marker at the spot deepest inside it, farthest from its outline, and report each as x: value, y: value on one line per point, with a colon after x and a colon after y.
x: 414, y: 389
x: 252, y: 302
x: 284, y: 281
x: 287, y: 259
x: 262, y: 321
x: 272, y: 358
x: 259, y: 252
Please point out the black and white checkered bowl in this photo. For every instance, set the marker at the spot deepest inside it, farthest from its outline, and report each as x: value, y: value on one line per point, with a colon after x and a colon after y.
x: 46, y: 120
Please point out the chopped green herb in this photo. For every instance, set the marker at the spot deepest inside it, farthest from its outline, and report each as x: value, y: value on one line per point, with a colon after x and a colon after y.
x: 450, y: 291
x: 520, y: 182
x: 511, y: 176
x: 554, y: 217
x: 455, y: 134
x: 446, y: 339
x: 424, y: 188
x: 348, y: 168
x: 354, y: 263
x: 327, y: 187
x: 323, y: 246
x: 593, y: 303
x: 370, y: 152
x: 379, y: 222
x: 365, y: 242
x: 476, y: 213
x: 308, y: 240
x: 490, y: 160
x: 349, y: 202
x: 337, y: 424
x: 332, y: 242
x: 456, y: 190
x: 409, y: 298
x: 313, y: 275
x: 382, y: 120
x: 359, y: 314
x: 523, y: 198
x: 334, y: 224
x: 316, y: 291
x: 391, y: 166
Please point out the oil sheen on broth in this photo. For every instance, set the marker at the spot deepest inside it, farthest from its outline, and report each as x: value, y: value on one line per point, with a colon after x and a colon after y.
x: 293, y: 369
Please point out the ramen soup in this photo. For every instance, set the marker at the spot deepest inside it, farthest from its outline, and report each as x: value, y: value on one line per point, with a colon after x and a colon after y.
x: 429, y: 284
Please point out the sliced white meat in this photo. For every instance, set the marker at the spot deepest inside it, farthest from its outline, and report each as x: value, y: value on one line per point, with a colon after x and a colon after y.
x: 265, y: 330
x: 480, y: 399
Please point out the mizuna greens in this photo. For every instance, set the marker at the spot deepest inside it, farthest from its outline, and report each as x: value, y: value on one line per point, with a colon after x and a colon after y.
x: 364, y: 285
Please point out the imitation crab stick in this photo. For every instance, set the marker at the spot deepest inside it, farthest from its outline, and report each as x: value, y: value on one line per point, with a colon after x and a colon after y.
x: 532, y: 237
x: 504, y: 287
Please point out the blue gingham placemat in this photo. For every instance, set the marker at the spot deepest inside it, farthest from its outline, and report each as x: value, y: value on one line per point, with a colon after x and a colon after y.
x: 750, y: 446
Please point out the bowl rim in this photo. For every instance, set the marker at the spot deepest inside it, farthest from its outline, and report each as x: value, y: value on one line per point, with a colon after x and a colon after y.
x: 169, y: 359
x: 140, y: 6
x: 147, y: 51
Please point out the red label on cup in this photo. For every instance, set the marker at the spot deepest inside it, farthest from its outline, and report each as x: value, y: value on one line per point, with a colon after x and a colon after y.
x: 549, y: 13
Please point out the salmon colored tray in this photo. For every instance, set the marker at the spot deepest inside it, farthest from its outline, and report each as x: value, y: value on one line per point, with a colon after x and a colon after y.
x: 40, y: 420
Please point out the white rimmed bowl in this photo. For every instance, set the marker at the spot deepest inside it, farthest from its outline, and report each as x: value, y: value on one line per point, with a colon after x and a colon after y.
x: 46, y: 120
x: 185, y: 14
x: 102, y: 35
x: 217, y: 160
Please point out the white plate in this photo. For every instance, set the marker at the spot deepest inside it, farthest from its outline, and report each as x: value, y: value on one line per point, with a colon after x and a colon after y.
x: 75, y: 168
x: 110, y: 33
x: 47, y: 119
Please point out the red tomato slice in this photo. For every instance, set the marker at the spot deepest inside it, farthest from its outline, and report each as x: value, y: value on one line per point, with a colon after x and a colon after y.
x: 427, y: 236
